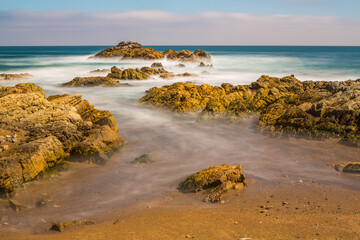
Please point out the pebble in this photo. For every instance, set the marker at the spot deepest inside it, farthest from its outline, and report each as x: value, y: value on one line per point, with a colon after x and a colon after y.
x: 300, y: 181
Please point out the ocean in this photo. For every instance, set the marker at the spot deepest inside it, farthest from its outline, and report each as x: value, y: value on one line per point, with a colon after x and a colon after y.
x: 182, y: 144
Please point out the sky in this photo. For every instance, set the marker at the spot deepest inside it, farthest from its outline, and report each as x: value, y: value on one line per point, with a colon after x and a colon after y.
x: 185, y: 22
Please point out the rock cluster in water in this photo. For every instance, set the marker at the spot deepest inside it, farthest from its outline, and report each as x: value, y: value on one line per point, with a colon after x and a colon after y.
x: 94, y: 82
x: 143, y: 73
x: 44, y: 132
x: 6, y: 76
x: 215, y: 181
x: 134, y: 50
x: 314, y: 109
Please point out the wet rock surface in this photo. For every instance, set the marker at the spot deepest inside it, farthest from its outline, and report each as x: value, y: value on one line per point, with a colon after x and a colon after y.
x: 50, y: 130
x: 145, y: 158
x: 353, y: 167
x: 60, y: 227
x: 94, y: 82
x: 6, y: 76
x: 134, y: 50
x: 214, y: 181
x: 286, y: 105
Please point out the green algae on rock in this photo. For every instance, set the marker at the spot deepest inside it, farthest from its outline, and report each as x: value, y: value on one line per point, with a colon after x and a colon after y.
x: 286, y: 105
x: 215, y: 181
x: 134, y: 50
x: 52, y: 129
x: 93, y: 82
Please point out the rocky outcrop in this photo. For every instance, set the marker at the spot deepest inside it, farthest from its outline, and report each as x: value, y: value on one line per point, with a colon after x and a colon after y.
x: 49, y: 131
x: 134, y: 50
x: 214, y: 181
x: 6, y: 76
x: 94, y: 82
x: 143, y: 73
x: 187, y: 56
x: 131, y: 50
x: 286, y: 105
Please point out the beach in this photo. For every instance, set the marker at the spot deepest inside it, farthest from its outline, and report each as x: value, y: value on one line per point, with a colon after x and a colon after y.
x: 293, y: 189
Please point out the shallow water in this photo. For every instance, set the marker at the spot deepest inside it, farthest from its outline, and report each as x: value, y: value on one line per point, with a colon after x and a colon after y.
x: 182, y: 144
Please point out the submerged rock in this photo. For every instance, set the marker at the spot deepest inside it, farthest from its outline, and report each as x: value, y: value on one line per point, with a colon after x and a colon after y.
x: 66, y: 225
x: 93, y: 82
x: 6, y: 76
x: 215, y: 181
x: 145, y: 158
x: 286, y: 105
x: 134, y: 50
x: 100, y: 71
x: 52, y: 129
x: 16, y: 206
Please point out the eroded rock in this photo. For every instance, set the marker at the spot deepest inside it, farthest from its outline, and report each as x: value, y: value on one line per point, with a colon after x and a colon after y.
x: 214, y: 181
x: 145, y: 158
x: 94, y: 82
x: 286, y: 105
x: 51, y: 130
x: 134, y: 50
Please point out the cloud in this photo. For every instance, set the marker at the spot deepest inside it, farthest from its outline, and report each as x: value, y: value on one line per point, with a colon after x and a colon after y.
x: 160, y: 27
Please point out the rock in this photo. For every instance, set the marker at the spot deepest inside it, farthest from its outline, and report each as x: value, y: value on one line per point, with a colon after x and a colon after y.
x: 353, y: 167
x: 157, y: 65
x: 202, y: 64
x: 100, y: 71
x: 143, y: 73
x: 5, y: 76
x: 214, y: 181
x: 60, y: 227
x: 41, y: 203
x: 131, y: 50
x: 94, y: 82
x: 145, y: 158
x: 186, y: 55
x: 286, y: 105
x: 134, y: 50
x: 16, y: 206
x: 53, y: 129
x: 181, y: 65
x: 129, y: 45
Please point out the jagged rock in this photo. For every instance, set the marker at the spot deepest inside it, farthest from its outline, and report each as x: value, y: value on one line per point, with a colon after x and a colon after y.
x: 145, y: 158
x: 93, y: 82
x: 134, y: 50
x: 129, y: 44
x: 52, y: 129
x: 286, y: 105
x: 144, y: 73
x: 66, y: 225
x: 215, y: 181
x: 187, y: 56
x: 131, y: 50
x: 5, y: 76
x: 157, y: 65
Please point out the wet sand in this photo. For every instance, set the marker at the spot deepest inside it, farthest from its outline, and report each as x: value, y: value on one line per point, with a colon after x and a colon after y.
x: 299, y: 211
x: 147, y: 205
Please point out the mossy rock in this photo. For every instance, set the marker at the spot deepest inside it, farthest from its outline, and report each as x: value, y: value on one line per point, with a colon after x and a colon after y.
x: 215, y: 181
